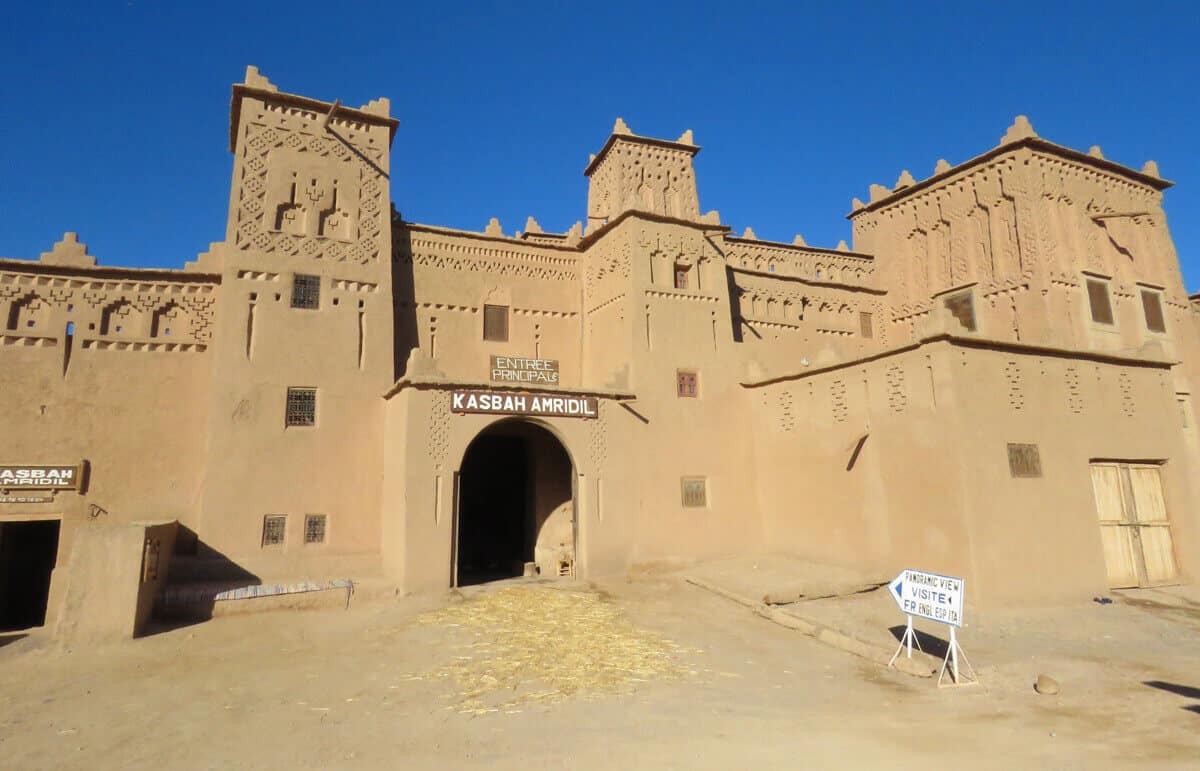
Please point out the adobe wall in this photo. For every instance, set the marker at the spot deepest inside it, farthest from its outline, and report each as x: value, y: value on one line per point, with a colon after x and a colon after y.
x: 1038, y: 537
x: 848, y: 459
x: 930, y: 486
x: 309, y: 197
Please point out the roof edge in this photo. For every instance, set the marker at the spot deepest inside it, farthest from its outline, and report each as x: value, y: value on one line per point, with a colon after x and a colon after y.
x: 1034, y: 143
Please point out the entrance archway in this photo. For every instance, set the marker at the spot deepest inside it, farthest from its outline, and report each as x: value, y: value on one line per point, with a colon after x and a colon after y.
x: 515, y: 506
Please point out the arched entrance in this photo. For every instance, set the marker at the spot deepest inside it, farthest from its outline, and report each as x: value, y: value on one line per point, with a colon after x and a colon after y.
x: 515, y: 506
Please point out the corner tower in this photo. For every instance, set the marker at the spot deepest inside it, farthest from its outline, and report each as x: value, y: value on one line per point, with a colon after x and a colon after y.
x: 650, y: 175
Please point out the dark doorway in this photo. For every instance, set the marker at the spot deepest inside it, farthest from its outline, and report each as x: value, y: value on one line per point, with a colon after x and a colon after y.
x: 515, y: 505
x: 28, y: 551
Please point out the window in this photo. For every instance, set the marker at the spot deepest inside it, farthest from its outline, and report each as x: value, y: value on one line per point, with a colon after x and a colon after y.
x: 1152, y: 307
x: 495, y: 323
x: 1024, y: 460
x: 306, y: 291
x: 314, y: 528
x: 301, y: 407
x: 864, y: 324
x: 694, y: 491
x: 681, y: 277
x: 1099, y: 301
x: 686, y: 383
x: 962, y: 307
x: 274, y: 527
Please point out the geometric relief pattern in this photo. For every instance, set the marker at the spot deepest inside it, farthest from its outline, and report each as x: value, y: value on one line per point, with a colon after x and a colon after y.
x: 837, y: 397
x: 184, y: 311
x: 301, y: 208
x: 486, y: 259
x: 1016, y: 391
x: 897, y: 393
x: 598, y: 439
x: 438, y: 435
x: 1127, y: 403
x: 1074, y: 395
x: 787, y: 414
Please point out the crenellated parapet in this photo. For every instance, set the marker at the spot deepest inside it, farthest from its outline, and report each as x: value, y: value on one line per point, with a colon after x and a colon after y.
x: 104, y: 308
x: 1027, y: 211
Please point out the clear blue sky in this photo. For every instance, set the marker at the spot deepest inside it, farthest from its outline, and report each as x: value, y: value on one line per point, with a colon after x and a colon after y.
x: 116, y: 113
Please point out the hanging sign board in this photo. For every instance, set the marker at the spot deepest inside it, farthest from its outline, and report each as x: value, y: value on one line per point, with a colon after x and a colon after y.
x: 929, y: 595
x: 515, y: 403
x: 40, y: 477
x: 514, y: 369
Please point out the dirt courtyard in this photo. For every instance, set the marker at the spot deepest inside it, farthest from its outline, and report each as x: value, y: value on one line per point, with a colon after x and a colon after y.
x: 643, y: 673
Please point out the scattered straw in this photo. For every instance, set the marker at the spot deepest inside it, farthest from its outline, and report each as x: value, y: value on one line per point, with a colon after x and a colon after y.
x: 543, y: 645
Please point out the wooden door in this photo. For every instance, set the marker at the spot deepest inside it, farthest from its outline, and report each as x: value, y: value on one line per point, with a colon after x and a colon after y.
x: 1134, y: 529
x: 1153, y: 529
x: 1117, y: 537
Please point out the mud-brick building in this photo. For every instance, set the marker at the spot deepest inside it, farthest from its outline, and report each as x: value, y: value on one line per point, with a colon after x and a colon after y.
x: 996, y: 381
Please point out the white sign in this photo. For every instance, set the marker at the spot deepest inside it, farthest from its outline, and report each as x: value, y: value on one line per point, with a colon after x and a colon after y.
x: 929, y: 595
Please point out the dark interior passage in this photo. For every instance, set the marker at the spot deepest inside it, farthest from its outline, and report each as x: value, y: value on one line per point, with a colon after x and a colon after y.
x: 512, y: 478
x: 28, y: 551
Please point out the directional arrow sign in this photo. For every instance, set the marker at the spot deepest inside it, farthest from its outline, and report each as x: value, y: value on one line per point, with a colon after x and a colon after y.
x: 929, y: 595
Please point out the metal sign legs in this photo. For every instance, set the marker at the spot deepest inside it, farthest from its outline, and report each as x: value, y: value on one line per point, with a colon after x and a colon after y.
x: 963, y: 676
x: 906, y: 641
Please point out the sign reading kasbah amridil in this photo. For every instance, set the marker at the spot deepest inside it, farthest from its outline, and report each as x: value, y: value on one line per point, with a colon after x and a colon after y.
x: 41, y: 477
x: 507, y: 403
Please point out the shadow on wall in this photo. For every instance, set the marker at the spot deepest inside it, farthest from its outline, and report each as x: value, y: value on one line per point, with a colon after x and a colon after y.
x: 1186, y: 691
x: 198, y: 573
x: 405, y: 335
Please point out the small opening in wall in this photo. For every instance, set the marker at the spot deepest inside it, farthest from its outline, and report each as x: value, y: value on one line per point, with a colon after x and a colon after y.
x: 274, y: 528
x: 91, y: 326
x: 1099, y: 301
x: 694, y: 492
x: 301, y: 408
x: 362, y: 304
x: 253, y: 296
x: 314, y: 528
x: 335, y: 301
x: 70, y: 307
x: 70, y: 328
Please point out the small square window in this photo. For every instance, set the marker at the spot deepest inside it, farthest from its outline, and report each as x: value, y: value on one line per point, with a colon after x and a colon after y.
x: 1024, y: 460
x: 681, y: 277
x: 306, y: 291
x: 686, y: 384
x: 274, y: 527
x: 1152, y: 308
x: 495, y: 323
x: 301, y: 407
x: 314, y: 528
x: 1099, y: 301
x: 694, y: 491
x: 962, y: 307
x: 864, y: 324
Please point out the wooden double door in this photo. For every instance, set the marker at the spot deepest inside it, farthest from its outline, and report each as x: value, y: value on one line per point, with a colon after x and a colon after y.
x: 1133, y: 524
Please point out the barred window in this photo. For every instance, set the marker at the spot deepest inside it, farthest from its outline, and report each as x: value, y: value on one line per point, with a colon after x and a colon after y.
x: 274, y: 527
x: 314, y: 528
x: 864, y: 324
x: 306, y: 291
x: 686, y: 384
x: 1024, y: 460
x: 1152, y: 307
x: 962, y: 307
x: 301, y: 407
x: 694, y: 491
x: 681, y: 277
x: 495, y: 323
x: 1099, y: 301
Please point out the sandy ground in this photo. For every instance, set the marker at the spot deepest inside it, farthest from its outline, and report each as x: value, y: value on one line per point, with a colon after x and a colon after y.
x: 709, y: 685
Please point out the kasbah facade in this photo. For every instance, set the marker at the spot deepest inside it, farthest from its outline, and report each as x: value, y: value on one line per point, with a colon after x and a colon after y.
x: 996, y: 382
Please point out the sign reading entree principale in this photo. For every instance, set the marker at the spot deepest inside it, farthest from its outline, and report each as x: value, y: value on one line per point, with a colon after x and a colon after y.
x: 516, y: 369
